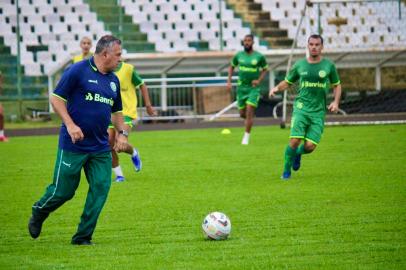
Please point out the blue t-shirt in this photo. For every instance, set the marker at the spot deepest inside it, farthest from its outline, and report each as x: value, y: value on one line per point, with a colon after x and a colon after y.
x: 90, y: 98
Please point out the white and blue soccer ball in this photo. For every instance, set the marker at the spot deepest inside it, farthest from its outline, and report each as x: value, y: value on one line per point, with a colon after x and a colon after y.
x: 216, y: 226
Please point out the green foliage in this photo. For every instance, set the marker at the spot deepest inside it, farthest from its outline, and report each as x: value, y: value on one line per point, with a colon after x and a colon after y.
x: 344, y: 209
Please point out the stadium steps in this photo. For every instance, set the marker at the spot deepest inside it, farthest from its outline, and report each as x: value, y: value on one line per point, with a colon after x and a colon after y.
x: 261, y: 23
x: 109, y: 12
x: 32, y: 87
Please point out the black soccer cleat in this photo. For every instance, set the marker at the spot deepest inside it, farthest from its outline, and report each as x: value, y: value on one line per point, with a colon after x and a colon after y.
x: 82, y: 242
x: 35, y: 226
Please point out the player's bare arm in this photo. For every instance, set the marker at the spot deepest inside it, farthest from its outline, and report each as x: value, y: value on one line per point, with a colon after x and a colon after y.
x: 230, y: 74
x: 282, y: 86
x: 255, y: 83
x: 121, y: 143
x: 74, y: 131
x: 147, y: 100
x: 333, y: 107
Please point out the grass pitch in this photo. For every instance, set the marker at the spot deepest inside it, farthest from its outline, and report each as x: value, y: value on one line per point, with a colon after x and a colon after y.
x: 344, y: 209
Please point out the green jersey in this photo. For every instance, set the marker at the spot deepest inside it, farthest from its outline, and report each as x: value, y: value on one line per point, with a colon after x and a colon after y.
x: 315, y: 79
x: 249, y: 66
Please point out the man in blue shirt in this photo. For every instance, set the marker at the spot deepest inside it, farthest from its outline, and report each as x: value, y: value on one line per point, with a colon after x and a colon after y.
x: 86, y: 98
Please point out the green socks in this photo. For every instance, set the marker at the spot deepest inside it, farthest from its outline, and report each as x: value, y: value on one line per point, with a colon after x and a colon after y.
x: 300, y: 150
x: 290, y: 154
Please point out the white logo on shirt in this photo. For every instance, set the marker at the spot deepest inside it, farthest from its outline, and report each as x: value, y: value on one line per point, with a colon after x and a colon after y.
x: 113, y: 86
x: 93, y: 81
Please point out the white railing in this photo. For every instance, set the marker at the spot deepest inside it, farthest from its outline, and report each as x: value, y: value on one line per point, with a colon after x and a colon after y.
x: 183, y: 98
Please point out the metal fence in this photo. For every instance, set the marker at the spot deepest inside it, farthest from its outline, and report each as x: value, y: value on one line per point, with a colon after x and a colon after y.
x: 179, y: 99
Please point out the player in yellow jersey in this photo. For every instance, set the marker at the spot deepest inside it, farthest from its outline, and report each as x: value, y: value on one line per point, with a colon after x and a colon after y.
x: 129, y: 82
x: 85, y: 45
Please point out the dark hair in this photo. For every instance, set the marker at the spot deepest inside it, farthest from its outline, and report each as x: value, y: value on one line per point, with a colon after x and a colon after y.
x: 249, y: 36
x: 106, y: 42
x: 316, y: 36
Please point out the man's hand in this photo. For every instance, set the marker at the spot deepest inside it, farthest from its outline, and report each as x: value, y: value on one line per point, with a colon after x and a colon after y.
x: 75, y: 133
x: 255, y: 83
x: 333, y: 107
x: 121, y: 143
x: 151, y: 111
x: 229, y: 86
x: 273, y: 91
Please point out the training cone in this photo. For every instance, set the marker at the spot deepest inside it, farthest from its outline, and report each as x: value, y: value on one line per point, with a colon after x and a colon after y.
x: 225, y: 131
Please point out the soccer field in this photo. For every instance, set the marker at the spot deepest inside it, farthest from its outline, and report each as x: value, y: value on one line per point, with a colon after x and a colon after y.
x: 344, y: 209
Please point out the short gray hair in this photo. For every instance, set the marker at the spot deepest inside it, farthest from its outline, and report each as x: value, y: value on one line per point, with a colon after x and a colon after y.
x: 106, y: 42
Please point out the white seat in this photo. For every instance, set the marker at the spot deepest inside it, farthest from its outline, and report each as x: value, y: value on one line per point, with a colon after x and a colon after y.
x: 59, y: 28
x: 33, y: 69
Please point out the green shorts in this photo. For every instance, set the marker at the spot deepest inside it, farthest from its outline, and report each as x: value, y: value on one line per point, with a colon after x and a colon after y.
x: 127, y: 120
x: 309, y: 128
x: 247, y: 95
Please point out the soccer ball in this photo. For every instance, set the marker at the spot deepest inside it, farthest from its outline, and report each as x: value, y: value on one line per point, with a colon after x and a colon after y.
x: 216, y: 226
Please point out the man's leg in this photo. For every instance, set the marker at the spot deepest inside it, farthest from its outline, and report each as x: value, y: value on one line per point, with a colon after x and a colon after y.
x: 65, y: 182
x: 98, y: 173
x: 3, y: 138
x: 312, y: 138
x: 115, y: 164
x: 297, y: 133
x: 251, y: 105
x: 290, y: 153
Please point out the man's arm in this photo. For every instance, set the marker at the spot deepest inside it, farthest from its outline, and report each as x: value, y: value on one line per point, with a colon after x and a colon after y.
x: 59, y: 106
x: 147, y: 101
x: 261, y: 77
x: 230, y: 74
x: 333, y: 107
x: 121, y: 139
x: 282, y: 86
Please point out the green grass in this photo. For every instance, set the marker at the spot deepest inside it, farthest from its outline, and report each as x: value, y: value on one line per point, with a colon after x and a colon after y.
x: 344, y: 209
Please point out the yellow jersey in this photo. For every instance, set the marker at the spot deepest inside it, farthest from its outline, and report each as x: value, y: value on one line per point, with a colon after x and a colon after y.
x: 129, y: 82
x: 79, y: 57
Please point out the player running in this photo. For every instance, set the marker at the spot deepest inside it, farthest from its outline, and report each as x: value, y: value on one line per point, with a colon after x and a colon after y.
x: 252, y: 68
x: 315, y: 75
x: 129, y: 82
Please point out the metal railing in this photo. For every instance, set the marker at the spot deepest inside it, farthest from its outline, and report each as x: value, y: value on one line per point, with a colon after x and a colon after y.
x: 184, y: 98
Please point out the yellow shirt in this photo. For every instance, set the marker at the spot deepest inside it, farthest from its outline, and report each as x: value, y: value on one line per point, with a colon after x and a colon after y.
x: 129, y: 82
x: 79, y: 57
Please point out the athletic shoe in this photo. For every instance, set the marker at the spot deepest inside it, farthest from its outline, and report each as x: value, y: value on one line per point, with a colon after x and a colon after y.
x: 35, y: 226
x: 3, y: 139
x: 136, y: 160
x: 285, y: 176
x: 120, y: 178
x: 82, y: 242
x: 296, y: 162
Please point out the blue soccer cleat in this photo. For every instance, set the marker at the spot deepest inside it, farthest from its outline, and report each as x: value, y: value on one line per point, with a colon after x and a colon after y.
x: 136, y: 160
x: 285, y: 176
x: 120, y: 178
x: 296, y: 162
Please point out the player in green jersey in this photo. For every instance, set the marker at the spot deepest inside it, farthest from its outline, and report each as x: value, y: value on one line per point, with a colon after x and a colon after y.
x: 316, y: 75
x: 252, y: 68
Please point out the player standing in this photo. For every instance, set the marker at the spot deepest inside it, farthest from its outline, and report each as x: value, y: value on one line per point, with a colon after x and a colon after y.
x: 252, y: 68
x: 315, y: 75
x: 85, y: 46
x: 129, y: 82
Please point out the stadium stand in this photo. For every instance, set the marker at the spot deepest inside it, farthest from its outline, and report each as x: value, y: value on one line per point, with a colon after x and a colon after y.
x: 344, y: 25
x: 109, y: 12
x: 191, y: 25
